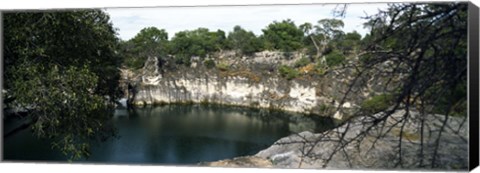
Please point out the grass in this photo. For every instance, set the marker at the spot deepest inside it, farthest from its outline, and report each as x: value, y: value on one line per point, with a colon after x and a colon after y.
x: 377, y: 103
x: 242, y: 73
x: 307, y: 69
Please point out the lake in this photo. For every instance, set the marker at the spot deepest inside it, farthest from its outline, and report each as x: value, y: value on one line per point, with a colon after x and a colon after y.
x: 177, y: 135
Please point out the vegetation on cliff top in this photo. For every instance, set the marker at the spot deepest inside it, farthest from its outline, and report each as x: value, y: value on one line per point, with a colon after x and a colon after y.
x: 316, y: 41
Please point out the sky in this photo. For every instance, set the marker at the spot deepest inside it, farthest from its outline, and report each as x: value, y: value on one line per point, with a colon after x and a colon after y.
x: 129, y: 21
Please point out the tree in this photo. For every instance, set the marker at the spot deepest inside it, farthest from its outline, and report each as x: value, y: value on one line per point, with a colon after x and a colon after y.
x: 321, y: 36
x: 60, y: 66
x: 200, y: 42
x: 310, y: 39
x: 348, y: 43
x: 150, y: 41
x: 428, y: 45
x: 65, y: 39
x: 327, y: 30
x: 306, y: 28
x: 245, y: 42
x: 421, y: 51
x: 285, y: 36
x: 220, y: 40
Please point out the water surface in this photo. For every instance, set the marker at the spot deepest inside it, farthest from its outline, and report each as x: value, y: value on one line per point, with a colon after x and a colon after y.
x: 177, y: 134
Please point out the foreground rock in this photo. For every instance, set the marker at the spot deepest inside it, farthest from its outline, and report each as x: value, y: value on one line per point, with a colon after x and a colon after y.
x: 360, y: 150
x: 248, y: 161
x: 307, y: 150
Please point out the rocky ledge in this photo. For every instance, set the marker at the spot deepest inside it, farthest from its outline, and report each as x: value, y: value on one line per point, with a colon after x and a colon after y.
x: 379, y: 148
x: 253, y: 82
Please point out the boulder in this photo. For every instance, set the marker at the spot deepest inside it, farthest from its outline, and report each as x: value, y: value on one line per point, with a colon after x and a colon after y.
x: 308, y: 150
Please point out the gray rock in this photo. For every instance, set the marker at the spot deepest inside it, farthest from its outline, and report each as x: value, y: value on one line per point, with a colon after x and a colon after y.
x: 249, y: 161
x: 308, y: 150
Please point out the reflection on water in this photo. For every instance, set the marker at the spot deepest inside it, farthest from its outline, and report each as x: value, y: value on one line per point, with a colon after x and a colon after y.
x: 178, y: 134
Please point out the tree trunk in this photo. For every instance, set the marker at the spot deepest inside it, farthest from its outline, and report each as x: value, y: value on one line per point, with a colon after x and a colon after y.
x: 317, y: 48
x: 320, y: 51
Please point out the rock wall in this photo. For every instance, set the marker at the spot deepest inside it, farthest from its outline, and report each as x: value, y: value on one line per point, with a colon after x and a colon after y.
x: 271, y: 93
x: 249, y: 81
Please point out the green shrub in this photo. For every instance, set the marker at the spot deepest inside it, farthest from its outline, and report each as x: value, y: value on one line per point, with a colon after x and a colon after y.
x: 365, y: 59
x: 377, y: 103
x: 209, y: 63
x: 222, y: 66
x: 334, y: 58
x: 134, y: 63
x: 327, y: 109
x: 302, y: 62
x: 182, y: 59
x: 288, y: 72
x: 454, y: 101
x: 287, y: 55
x: 320, y: 68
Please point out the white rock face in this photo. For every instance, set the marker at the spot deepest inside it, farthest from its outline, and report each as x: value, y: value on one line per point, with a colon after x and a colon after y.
x: 272, y: 93
x: 338, y: 115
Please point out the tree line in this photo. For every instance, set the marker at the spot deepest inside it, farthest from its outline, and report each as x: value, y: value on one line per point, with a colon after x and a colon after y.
x: 324, y: 38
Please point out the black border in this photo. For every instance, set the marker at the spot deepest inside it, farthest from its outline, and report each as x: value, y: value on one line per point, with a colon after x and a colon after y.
x: 1, y: 83
x: 473, y: 46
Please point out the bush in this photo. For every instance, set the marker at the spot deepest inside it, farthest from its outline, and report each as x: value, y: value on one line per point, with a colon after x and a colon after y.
x: 209, y: 63
x: 284, y: 36
x: 327, y: 109
x: 244, y: 41
x: 366, y: 59
x: 302, y: 62
x: 287, y: 55
x: 134, y: 63
x: 222, y: 66
x: 455, y: 101
x: 182, y: 59
x: 287, y: 72
x: 320, y: 68
x: 377, y: 103
x: 334, y: 58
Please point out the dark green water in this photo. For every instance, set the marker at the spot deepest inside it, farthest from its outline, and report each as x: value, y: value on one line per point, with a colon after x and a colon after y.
x: 177, y: 134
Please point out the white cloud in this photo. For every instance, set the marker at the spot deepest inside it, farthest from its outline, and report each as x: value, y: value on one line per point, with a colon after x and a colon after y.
x: 130, y: 21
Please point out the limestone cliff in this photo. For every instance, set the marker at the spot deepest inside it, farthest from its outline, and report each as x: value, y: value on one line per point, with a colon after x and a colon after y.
x: 244, y: 81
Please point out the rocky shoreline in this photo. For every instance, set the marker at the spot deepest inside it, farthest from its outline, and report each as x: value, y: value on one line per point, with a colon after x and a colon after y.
x: 308, y: 150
